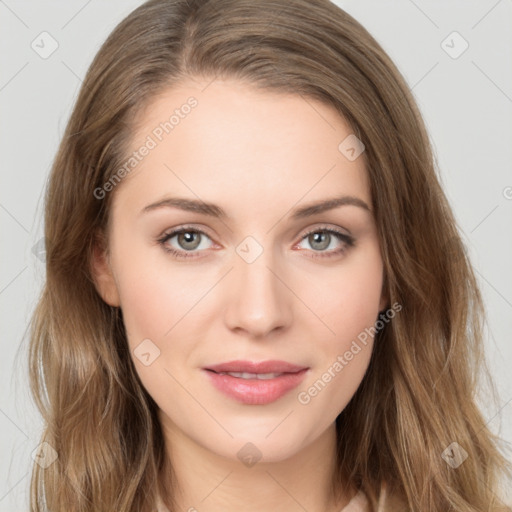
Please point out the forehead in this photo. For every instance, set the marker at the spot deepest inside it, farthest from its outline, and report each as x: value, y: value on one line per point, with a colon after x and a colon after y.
x: 234, y: 144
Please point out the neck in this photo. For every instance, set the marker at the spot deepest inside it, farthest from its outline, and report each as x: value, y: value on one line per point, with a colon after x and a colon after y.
x: 208, y: 482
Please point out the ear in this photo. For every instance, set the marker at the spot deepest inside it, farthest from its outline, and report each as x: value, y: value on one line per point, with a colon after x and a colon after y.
x: 101, y: 272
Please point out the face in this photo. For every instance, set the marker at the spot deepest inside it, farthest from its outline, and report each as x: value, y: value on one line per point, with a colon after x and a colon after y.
x: 254, y: 276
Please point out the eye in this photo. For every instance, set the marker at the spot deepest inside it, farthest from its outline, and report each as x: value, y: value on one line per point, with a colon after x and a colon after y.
x: 188, y: 239
x: 321, y: 239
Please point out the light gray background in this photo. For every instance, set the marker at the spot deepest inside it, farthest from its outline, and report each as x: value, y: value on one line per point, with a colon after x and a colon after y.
x: 466, y: 102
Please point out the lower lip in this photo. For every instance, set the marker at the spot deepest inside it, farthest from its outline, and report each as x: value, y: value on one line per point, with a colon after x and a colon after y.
x: 256, y: 391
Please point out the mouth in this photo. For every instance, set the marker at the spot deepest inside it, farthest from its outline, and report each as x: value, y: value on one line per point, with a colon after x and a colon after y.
x: 255, y: 383
x: 246, y: 375
x: 256, y: 367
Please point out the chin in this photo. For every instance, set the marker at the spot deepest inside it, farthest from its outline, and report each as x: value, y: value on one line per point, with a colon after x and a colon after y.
x: 266, y: 443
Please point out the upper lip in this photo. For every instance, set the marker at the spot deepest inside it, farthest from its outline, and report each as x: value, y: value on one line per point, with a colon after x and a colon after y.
x: 270, y: 366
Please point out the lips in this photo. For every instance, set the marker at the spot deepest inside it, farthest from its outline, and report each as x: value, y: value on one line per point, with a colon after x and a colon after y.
x: 256, y: 367
x: 255, y: 383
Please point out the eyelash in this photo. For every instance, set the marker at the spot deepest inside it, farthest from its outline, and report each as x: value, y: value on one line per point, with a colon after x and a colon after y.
x: 348, y: 240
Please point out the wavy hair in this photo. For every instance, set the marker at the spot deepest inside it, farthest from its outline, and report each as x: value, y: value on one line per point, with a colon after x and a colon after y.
x: 420, y: 391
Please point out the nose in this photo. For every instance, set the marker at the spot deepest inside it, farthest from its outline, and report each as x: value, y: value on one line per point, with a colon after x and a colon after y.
x: 258, y: 300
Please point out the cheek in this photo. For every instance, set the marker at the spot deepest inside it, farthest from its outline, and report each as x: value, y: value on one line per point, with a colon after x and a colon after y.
x: 155, y: 304
x: 155, y: 296
x: 146, y: 304
x: 346, y: 299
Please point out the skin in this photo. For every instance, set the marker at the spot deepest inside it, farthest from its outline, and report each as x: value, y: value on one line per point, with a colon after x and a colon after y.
x: 258, y: 155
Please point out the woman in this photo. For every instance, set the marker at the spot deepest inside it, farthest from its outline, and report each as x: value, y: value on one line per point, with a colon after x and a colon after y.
x: 256, y: 295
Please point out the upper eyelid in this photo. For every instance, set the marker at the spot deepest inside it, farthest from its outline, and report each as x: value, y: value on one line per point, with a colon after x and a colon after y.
x: 174, y: 231
x: 171, y: 233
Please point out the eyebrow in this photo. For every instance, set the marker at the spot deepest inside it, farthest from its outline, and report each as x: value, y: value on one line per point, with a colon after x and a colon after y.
x: 213, y: 210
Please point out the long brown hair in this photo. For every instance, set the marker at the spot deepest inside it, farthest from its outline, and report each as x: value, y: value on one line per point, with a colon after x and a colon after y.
x: 419, y: 393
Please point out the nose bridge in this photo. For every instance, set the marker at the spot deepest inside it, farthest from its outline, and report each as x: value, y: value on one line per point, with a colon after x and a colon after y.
x: 259, y: 302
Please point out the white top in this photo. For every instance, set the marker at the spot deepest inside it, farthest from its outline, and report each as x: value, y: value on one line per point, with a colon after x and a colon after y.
x: 359, y: 503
